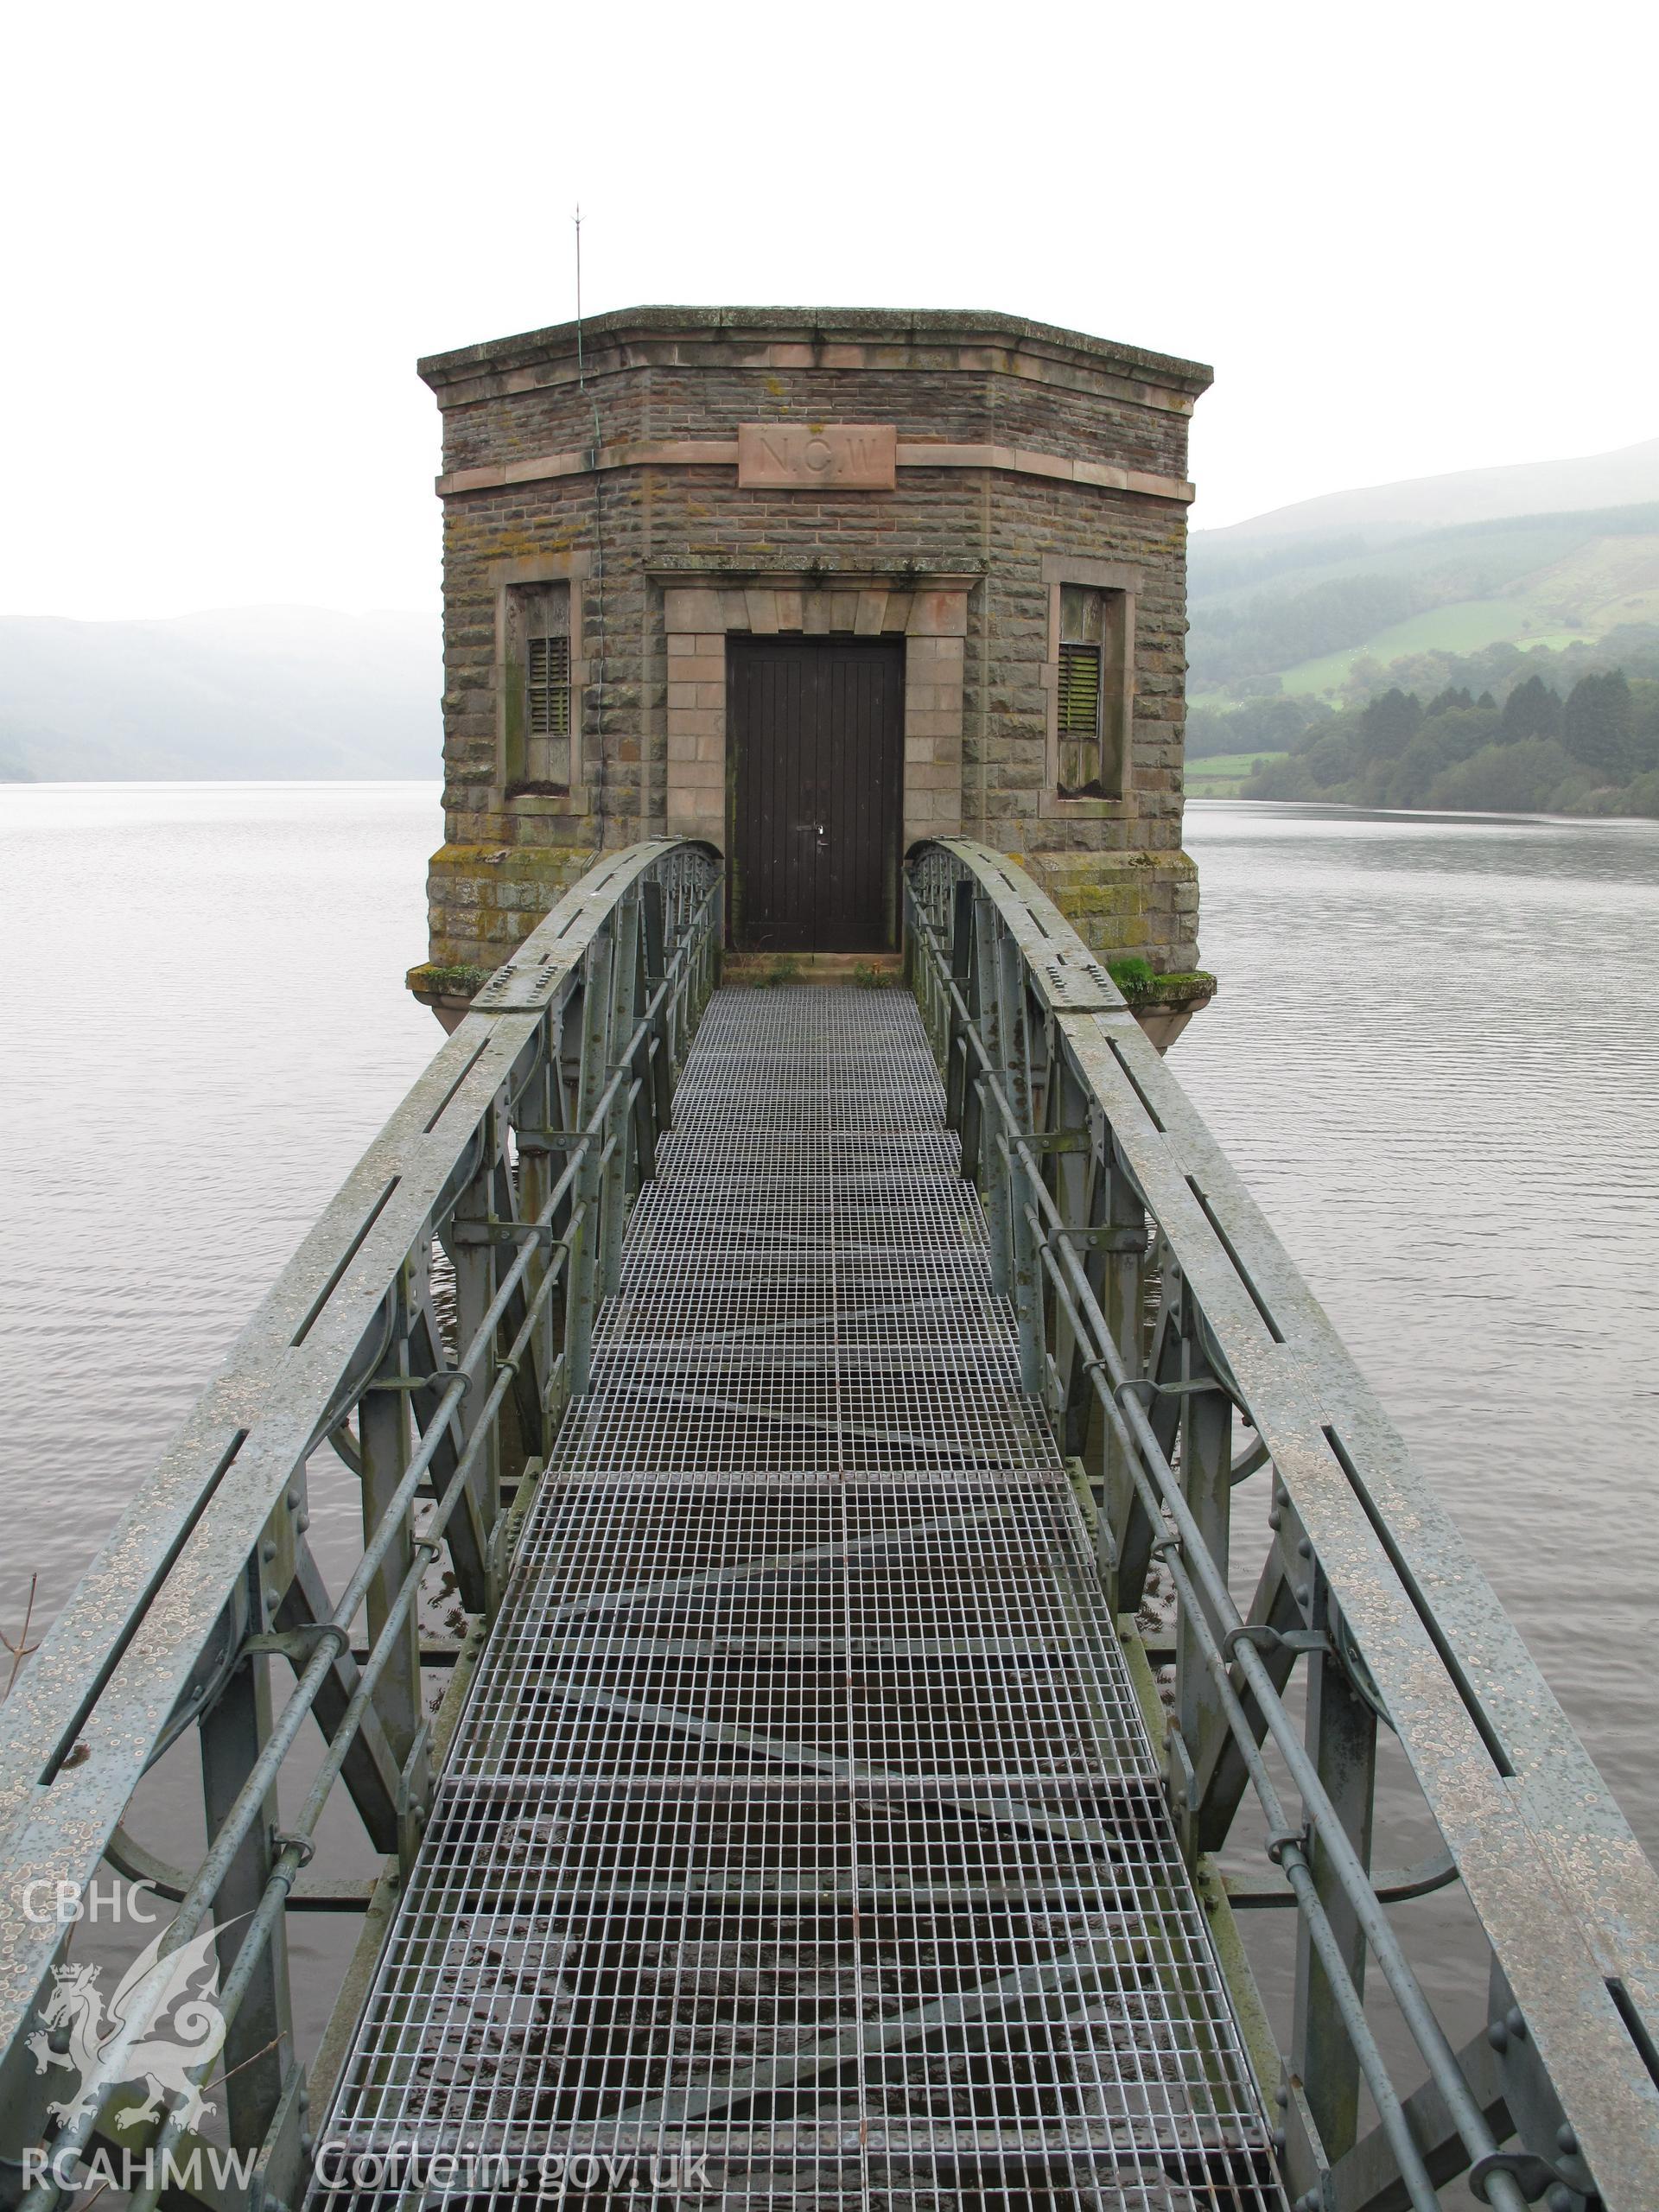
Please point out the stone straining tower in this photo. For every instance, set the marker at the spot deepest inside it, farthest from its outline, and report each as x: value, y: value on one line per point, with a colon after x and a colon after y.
x: 813, y: 584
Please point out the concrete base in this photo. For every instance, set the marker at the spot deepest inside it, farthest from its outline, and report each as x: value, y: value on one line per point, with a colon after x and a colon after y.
x: 451, y: 1012
x: 1164, y: 1022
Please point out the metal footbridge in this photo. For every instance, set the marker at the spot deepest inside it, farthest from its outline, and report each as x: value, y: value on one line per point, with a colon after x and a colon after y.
x: 825, y: 1412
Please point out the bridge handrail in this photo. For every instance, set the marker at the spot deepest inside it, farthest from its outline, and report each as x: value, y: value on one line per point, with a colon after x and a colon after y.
x: 516, y: 1153
x: 1094, y: 1163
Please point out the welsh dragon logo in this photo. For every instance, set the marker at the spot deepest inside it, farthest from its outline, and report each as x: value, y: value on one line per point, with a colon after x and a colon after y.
x: 171, y: 2056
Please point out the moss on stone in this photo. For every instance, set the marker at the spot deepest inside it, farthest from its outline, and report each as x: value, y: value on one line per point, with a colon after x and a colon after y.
x: 438, y: 980
x: 1140, y: 987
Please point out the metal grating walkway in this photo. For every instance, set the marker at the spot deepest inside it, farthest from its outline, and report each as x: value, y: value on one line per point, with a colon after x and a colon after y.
x: 802, y: 1844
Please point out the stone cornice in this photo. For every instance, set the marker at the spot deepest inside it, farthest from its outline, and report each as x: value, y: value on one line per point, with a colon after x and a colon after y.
x: 722, y: 453
x: 783, y: 339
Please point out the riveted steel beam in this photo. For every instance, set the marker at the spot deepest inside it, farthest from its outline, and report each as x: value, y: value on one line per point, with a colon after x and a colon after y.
x: 133, y: 1658
x: 1564, y: 1894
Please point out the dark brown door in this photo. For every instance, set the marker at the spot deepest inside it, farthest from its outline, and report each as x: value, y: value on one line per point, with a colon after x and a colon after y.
x: 818, y: 736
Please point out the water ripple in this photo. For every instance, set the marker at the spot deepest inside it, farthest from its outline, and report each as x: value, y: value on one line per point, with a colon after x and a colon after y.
x: 1435, y: 1059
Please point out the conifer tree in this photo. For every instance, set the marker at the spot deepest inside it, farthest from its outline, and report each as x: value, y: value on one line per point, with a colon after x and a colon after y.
x: 1599, y: 726
x: 1532, y: 709
x: 1387, y: 725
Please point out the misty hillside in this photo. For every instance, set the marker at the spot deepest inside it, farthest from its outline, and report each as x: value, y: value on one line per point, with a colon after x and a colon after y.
x: 1626, y: 478
x: 1299, y: 600
x: 1315, y: 601
x: 253, y: 692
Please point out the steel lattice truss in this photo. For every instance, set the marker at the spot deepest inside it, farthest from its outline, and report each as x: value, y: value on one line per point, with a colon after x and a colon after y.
x: 801, y: 1842
x: 802, y: 1827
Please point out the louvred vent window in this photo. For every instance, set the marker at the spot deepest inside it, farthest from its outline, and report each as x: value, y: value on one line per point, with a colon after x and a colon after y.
x: 1081, y: 701
x: 547, y: 687
x: 1080, y: 690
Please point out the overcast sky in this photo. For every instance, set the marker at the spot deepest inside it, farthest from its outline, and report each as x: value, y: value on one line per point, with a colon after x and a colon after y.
x: 1409, y: 239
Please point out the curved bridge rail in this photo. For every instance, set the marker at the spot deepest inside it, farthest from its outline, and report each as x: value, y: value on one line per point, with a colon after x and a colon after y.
x: 498, y: 1191
x: 1103, y: 1188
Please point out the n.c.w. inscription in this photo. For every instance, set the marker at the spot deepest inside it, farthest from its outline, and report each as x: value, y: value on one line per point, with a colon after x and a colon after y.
x: 794, y: 457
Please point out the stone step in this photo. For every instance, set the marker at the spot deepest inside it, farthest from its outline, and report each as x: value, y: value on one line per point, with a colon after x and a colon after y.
x: 877, y: 970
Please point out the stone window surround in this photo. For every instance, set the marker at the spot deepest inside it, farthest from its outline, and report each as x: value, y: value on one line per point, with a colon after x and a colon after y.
x: 928, y: 610
x: 574, y: 569
x: 1094, y: 576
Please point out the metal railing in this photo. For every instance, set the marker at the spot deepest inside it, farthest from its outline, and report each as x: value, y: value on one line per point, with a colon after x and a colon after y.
x: 430, y: 1331
x: 430, y: 1334
x: 801, y: 1830
x: 1177, y: 1351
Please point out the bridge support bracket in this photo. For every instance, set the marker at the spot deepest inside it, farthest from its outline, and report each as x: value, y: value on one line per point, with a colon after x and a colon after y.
x: 278, y: 2176
x: 414, y: 1798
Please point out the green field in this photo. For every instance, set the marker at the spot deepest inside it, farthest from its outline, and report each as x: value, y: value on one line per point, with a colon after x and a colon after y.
x: 1464, y: 628
x: 1223, y: 774
x: 1539, y: 580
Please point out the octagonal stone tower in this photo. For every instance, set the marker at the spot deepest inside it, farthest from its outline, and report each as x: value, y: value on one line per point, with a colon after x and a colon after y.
x: 813, y: 583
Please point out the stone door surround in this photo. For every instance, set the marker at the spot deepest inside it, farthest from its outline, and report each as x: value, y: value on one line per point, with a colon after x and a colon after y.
x: 929, y: 611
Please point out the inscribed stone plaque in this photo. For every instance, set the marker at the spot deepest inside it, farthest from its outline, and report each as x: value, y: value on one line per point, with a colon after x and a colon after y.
x: 796, y: 456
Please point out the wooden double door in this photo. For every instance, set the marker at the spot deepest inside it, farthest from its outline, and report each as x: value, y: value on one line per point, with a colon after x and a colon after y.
x: 817, y: 737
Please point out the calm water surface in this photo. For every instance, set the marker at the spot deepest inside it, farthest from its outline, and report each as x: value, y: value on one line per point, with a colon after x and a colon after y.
x: 1434, y: 1058
x: 205, y: 1025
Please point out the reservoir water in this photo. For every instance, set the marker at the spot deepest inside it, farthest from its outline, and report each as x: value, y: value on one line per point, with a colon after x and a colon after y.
x: 1434, y: 1058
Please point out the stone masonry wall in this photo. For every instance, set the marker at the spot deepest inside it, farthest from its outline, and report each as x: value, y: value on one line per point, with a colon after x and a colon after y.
x: 626, y: 533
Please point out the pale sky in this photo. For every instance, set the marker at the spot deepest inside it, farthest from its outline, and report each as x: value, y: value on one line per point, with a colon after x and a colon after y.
x: 1409, y: 239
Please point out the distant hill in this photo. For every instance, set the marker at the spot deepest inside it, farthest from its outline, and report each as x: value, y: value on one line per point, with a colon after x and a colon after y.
x: 249, y: 692
x: 1312, y: 599
x: 1318, y: 600
x: 1626, y: 478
